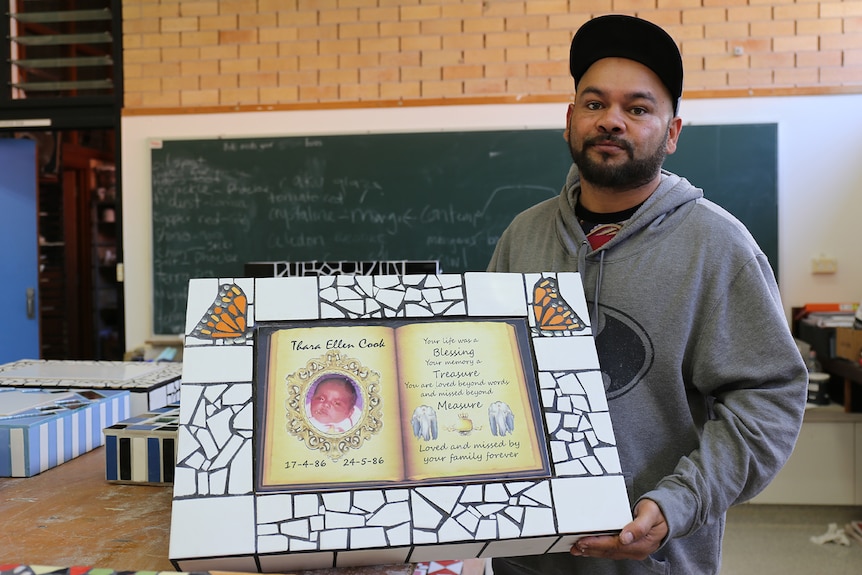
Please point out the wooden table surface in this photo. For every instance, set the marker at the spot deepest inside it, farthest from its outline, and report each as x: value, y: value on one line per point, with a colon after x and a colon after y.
x: 71, y: 516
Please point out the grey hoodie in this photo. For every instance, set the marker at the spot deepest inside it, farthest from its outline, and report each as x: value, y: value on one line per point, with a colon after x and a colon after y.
x: 706, y: 386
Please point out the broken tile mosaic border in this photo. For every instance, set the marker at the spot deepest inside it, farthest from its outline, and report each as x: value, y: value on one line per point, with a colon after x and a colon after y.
x: 341, y: 267
x: 214, y: 481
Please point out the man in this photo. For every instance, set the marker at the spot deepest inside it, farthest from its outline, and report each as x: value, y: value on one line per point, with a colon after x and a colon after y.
x: 706, y: 387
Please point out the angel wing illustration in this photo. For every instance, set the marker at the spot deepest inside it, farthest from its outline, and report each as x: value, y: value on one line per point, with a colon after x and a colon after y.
x: 501, y: 418
x: 424, y: 422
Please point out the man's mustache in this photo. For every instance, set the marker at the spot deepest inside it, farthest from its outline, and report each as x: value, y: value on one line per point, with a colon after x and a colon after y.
x: 615, y: 140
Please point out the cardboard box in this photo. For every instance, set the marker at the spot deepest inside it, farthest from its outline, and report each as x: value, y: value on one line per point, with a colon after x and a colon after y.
x: 848, y: 343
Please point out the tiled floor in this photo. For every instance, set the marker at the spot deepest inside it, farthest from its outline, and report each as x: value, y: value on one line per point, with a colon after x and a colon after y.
x: 776, y: 540
x: 759, y: 540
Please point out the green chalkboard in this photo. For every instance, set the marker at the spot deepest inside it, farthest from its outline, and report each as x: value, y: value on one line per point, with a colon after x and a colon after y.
x: 446, y: 196
x: 737, y: 168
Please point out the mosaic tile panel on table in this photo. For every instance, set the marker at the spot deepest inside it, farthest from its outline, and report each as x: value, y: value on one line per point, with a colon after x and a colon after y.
x: 151, y: 385
x: 266, y: 532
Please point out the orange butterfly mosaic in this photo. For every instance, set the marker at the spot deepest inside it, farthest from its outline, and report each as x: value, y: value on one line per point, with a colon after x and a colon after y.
x: 226, y: 319
x: 552, y: 313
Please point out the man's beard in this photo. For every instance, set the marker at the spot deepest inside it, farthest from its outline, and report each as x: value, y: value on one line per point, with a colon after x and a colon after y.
x: 630, y: 175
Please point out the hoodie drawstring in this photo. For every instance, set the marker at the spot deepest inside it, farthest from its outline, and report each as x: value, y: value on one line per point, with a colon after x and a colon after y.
x: 598, y: 291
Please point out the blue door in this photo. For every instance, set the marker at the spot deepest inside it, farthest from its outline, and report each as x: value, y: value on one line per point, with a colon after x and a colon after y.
x: 19, y: 257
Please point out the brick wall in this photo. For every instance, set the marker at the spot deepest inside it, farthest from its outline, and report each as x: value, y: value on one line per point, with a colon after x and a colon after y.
x: 197, y: 54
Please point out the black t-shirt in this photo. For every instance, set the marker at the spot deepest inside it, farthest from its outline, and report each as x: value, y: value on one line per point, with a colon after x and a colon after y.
x: 600, y: 228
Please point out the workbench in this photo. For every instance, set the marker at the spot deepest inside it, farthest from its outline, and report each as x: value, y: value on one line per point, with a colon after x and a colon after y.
x: 71, y: 516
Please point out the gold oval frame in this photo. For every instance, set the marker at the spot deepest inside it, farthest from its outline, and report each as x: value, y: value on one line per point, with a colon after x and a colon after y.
x: 299, y: 383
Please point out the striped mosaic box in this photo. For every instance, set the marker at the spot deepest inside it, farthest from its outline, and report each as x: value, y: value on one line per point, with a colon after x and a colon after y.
x: 142, y: 449
x: 42, y: 429
x: 152, y: 385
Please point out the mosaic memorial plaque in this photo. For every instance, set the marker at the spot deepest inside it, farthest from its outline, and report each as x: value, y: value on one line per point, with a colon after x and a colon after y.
x: 337, y: 421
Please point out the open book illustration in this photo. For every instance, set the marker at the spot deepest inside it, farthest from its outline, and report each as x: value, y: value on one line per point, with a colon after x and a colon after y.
x: 397, y: 401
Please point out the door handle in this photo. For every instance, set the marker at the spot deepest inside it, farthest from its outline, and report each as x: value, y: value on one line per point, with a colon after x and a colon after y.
x: 31, y: 303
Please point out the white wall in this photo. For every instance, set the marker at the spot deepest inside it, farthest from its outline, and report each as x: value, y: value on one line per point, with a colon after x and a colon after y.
x: 819, y: 175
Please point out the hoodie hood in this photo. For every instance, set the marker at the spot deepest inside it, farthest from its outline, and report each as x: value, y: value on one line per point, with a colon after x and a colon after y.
x: 674, y: 194
x: 653, y: 218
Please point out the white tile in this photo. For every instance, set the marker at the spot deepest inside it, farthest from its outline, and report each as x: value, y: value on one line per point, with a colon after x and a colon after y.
x: 334, y: 539
x: 184, y: 482
x: 569, y: 468
x: 271, y: 508
x: 508, y: 528
x: 558, y: 451
x: 365, y: 537
x: 572, y: 290
x: 538, y: 521
x: 496, y: 492
x: 591, y: 503
x: 472, y: 494
x: 592, y: 465
x: 609, y: 458
x: 399, y: 535
x: 212, y: 364
x: 229, y: 522
x: 391, y: 514
x: 424, y: 515
x: 515, y: 512
x: 336, y: 501
x: 451, y: 530
x: 271, y: 543
x: 368, y: 500
x: 201, y: 294
x: 299, y: 528
x: 497, y: 294
x: 445, y: 497
x: 487, y: 530
x: 595, y: 389
x: 290, y: 298
x: 565, y: 353
x: 342, y: 520
x: 218, y: 482
x: 241, y: 469
x: 469, y: 521
x: 601, y: 423
x: 571, y: 385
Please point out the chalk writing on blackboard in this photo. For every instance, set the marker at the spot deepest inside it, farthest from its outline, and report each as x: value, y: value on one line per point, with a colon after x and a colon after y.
x: 446, y: 196
x: 218, y: 204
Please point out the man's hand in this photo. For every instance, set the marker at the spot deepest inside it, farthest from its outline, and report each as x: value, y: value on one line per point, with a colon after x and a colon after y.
x: 637, y: 540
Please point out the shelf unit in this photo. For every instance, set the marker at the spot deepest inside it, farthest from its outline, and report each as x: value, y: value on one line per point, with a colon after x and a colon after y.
x: 57, y: 293
x: 103, y: 261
